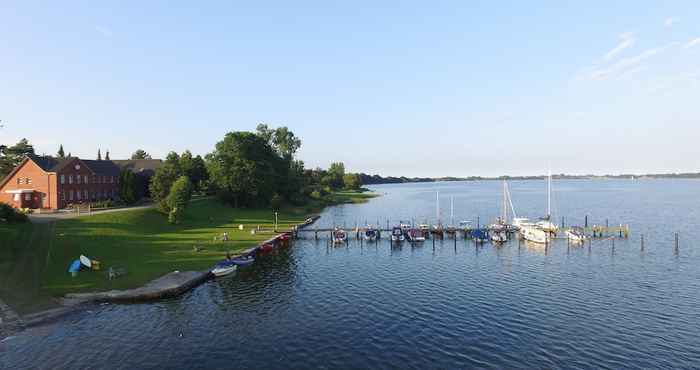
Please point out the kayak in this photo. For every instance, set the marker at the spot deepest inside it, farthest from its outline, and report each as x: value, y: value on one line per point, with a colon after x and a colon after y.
x: 85, y: 261
x: 224, y: 268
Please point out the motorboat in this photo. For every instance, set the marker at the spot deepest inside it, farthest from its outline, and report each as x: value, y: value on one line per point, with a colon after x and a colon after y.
x: 576, y: 234
x: 479, y: 235
x: 397, y: 234
x: 224, y: 268
x: 339, y: 236
x: 371, y: 234
x: 533, y: 233
x: 415, y: 235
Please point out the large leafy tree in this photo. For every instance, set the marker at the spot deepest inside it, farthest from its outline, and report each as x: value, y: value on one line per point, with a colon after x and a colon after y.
x: 11, y: 156
x: 281, y: 139
x: 334, y: 176
x: 163, y: 180
x: 245, y: 169
x: 352, y: 181
x: 128, y: 187
x: 195, y: 169
x: 140, y: 154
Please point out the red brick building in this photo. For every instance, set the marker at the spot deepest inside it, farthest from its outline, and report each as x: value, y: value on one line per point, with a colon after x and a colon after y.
x: 53, y: 183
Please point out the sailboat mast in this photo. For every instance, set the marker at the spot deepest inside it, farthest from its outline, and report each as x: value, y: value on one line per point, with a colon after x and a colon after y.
x: 504, y: 210
x: 452, y: 211
x: 549, y: 194
x: 437, y: 206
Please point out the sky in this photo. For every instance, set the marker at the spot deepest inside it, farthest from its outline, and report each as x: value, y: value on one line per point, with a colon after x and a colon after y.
x: 414, y: 88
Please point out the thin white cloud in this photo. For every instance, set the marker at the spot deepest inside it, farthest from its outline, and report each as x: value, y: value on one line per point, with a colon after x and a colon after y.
x: 627, y: 40
x: 692, y: 43
x: 623, y: 65
x: 104, y: 31
x: 670, y: 21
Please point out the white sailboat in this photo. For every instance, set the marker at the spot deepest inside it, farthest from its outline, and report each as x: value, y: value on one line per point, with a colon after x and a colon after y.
x: 499, y: 230
x: 546, y: 223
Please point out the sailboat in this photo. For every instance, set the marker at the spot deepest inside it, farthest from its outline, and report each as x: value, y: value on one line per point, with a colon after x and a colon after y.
x: 498, y: 231
x: 546, y: 223
x: 437, y: 229
x: 451, y: 229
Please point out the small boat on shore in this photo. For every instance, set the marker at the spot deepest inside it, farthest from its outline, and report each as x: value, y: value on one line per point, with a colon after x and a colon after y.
x: 267, y: 247
x: 224, y: 268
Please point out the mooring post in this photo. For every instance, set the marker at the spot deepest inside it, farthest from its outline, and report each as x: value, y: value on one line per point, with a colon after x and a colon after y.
x: 562, y: 222
x: 613, y: 245
x: 477, y: 222
x: 606, y: 227
x: 455, y: 242
x: 676, y: 243
x: 620, y: 230
x: 642, y: 241
x: 585, y: 222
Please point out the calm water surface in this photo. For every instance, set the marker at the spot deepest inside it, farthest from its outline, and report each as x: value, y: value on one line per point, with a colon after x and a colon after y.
x: 422, y: 307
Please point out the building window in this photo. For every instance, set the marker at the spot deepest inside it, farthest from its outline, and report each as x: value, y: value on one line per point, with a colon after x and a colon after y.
x: 70, y: 195
x: 27, y: 196
x: 85, y: 195
x: 63, y: 195
x: 16, y: 197
x: 86, y: 179
x: 28, y: 180
x: 77, y: 195
x: 63, y: 179
x: 70, y: 179
x: 77, y: 179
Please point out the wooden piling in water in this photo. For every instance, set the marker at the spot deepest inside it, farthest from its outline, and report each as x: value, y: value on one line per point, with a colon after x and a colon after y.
x: 676, y: 243
x: 585, y: 222
x: 642, y: 242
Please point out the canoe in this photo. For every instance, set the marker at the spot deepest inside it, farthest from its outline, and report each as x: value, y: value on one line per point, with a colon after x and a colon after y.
x: 223, y: 269
x: 74, y: 267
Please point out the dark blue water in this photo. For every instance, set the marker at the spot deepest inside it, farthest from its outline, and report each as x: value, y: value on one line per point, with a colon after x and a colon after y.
x: 418, y: 307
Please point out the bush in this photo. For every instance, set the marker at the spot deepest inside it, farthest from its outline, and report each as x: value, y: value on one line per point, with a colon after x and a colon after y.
x: 11, y: 215
x: 316, y: 194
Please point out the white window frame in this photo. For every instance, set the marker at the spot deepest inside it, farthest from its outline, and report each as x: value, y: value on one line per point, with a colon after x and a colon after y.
x: 28, y: 180
x: 63, y: 179
x: 78, y: 179
x: 86, y: 179
x: 70, y: 195
x: 70, y: 179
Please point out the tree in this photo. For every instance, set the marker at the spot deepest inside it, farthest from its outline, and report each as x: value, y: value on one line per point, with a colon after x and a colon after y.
x: 128, y: 187
x: 334, y: 178
x: 178, y: 197
x: 61, y: 153
x: 12, y: 156
x: 99, y: 155
x: 163, y: 180
x: 140, y: 154
x: 245, y: 169
x: 194, y: 168
x: 107, y: 156
x: 281, y: 139
x: 352, y: 181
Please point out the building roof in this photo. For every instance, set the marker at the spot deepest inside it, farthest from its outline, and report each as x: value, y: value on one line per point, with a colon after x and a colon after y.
x: 102, y: 167
x: 143, y: 166
x: 50, y: 164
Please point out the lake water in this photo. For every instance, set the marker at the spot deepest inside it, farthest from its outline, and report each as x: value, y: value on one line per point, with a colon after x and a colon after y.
x: 423, y: 307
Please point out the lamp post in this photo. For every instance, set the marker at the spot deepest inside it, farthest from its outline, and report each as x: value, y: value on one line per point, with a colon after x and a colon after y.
x: 275, y: 221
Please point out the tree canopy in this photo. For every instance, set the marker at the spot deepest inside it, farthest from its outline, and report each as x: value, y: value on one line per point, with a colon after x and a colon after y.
x: 140, y: 154
x: 11, y: 156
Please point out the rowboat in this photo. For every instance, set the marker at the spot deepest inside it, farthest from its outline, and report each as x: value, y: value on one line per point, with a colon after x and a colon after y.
x: 243, y: 261
x: 339, y: 236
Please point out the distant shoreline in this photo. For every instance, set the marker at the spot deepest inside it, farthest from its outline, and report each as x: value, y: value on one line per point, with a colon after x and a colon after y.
x: 378, y: 180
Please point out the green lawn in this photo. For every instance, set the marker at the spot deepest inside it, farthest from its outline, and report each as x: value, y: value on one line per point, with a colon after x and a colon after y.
x: 36, y: 256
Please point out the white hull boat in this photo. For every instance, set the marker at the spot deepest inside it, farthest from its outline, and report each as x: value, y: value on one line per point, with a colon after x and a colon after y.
x: 575, y: 235
x: 534, y: 234
x: 224, y: 269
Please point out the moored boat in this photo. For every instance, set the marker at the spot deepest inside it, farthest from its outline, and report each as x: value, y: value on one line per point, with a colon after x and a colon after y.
x: 397, y: 234
x: 415, y: 236
x: 533, y: 233
x: 371, y: 234
x: 243, y: 261
x: 224, y: 268
x: 339, y: 236
x: 479, y: 235
x: 576, y: 234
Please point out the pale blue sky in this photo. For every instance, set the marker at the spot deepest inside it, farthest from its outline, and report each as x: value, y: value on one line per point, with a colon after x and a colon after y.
x: 404, y: 88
